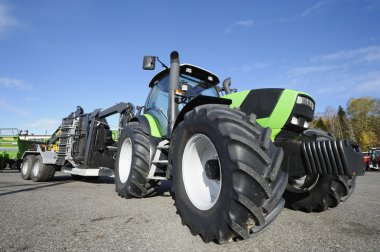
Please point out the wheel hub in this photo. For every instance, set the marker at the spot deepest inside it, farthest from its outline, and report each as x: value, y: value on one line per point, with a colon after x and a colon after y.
x: 25, y: 167
x: 36, y: 168
x: 302, y: 184
x: 212, y: 169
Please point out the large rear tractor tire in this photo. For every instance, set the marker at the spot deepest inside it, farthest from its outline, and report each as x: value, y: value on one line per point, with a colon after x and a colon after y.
x: 41, y: 172
x: 317, y: 193
x: 26, y: 167
x: 227, y: 181
x: 132, y: 164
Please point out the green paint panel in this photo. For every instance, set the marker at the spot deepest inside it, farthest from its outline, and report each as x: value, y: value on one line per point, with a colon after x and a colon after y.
x: 154, y: 130
x: 262, y: 121
x: 282, y: 111
x: 275, y: 132
x: 237, y: 98
x: 280, y: 114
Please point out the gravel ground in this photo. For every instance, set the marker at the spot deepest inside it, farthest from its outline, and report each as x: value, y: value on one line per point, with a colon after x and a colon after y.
x: 76, y: 216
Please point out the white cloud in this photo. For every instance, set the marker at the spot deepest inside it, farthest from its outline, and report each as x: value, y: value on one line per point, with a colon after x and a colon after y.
x: 309, y: 11
x: 5, y: 106
x: 318, y: 6
x: 373, y: 6
x: 241, y: 23
x: 250, y: 68
x: 43, y: 124
x: 6, y: 19
x: 340, y: 75
x: 368, y: 83
x: 298, y: 71
x: 366, y: 54
x: 14, y: 83
x: 350, y: 85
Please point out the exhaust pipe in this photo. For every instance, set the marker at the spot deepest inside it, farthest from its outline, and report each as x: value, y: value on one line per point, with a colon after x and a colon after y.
x: 226, y: 85
x: 173, y: 83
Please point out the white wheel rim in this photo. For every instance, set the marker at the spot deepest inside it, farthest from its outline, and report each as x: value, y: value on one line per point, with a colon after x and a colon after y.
x: 125, y: 160
x: 202, y: 191
x: 24, y: 167
x: 303, y: 184
x: 36, y: 168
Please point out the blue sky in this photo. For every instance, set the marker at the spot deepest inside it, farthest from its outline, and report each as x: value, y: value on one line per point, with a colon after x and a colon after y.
x: 55, y: 55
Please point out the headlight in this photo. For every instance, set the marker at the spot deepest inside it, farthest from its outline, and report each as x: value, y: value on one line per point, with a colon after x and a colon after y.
x: 300, y: 122
x: 305, y: 101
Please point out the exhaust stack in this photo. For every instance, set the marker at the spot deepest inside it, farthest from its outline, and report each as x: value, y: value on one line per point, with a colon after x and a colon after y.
x: 173, y: 83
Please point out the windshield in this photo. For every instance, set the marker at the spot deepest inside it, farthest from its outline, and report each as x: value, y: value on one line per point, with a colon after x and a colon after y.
x: 197, y: 87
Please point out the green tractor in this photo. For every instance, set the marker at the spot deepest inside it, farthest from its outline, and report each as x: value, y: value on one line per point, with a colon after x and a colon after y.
x: 234, y: 158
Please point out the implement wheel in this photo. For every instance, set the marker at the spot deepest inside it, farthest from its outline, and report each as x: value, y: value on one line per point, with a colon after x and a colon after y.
x: 41, y: 172
x: 26, y: 167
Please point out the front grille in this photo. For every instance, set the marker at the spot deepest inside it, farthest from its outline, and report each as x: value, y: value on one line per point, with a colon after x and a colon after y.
x: 339, y: 157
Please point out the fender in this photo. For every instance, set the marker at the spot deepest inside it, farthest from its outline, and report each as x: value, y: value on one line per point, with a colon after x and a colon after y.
x: 197, y: 101
x: 48, y: 157
x: 148, y: 124
x: 143, y: 121
x: 28, y: 153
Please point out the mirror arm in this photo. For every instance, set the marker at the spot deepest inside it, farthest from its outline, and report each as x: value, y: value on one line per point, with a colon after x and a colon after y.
x: 162, y: 64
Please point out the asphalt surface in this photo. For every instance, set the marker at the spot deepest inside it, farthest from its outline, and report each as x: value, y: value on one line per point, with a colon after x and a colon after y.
x: 77, y: 216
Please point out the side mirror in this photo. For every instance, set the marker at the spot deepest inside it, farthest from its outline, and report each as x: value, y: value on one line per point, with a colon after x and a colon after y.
x: 149, y: 62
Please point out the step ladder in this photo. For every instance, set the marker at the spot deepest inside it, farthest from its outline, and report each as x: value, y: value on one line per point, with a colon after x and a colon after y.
x: 67, y: 130
x: 163, y: 145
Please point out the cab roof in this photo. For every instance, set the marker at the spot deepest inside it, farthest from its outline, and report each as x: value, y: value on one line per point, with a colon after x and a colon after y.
x: 190, y: 70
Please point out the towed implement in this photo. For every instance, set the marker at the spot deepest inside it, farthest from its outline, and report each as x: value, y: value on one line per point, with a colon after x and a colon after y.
x: 84, y: 146
x: 12, y: 145
x: 234, y: 158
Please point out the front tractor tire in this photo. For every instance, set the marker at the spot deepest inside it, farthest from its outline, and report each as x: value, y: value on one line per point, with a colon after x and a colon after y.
x: 41, y: 172
x: 227, y: 181
x: 318, y: 193
x: 132, y: 164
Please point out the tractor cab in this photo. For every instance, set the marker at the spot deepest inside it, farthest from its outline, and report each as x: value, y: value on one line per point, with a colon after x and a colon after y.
x: 193, y: 82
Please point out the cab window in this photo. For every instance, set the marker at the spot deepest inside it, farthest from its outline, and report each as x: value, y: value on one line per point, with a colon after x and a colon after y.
x: 158, y: 99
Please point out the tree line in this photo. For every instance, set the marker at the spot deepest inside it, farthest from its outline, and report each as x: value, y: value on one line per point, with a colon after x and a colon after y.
x: 360, y: 122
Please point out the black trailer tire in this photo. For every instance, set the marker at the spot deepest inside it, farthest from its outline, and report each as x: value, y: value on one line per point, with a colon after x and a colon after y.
x: 26, y: 167
x: 250, y: 184
x: 41, y: 172
x: 132, y: 163
x: 318, y: 193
